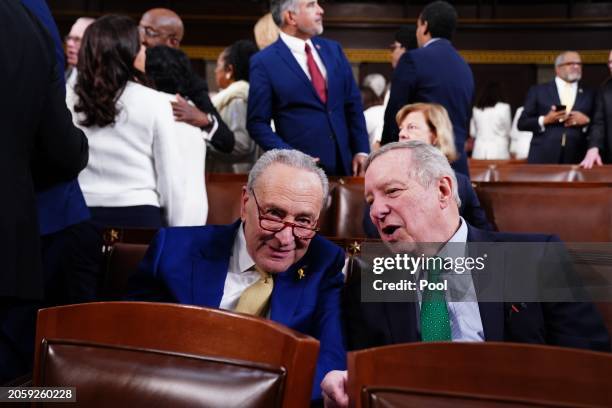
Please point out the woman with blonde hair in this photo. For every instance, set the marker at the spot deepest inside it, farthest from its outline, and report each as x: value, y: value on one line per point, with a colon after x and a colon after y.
x: 429, y: 123
x: 266, y: 31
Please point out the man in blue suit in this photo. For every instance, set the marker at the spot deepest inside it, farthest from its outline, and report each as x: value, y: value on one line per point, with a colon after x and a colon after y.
x: 412, y: 191
x: 273, y: 249
x: 305, y: 84
x: 434, y: 72
x: 558, y: 113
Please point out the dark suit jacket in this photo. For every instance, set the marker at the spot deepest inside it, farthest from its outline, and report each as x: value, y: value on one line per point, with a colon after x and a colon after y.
x: 438, y: 74
x: 38, y: 139
x: 576, y: 324
x: 600, y: 133
x: 546, y: 146
x: 189, y: 265
x: 470, y: 209
x: 62, y: 204
x: 280, y: 90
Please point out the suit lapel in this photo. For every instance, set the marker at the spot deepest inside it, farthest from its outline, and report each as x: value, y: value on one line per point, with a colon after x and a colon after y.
x: 287, y: 293
x: 579, y: 98
x: 491, y: 313
x: 401, y: 320
x: 209, y: 267
x: 285, y: 54
x: 553, y: 93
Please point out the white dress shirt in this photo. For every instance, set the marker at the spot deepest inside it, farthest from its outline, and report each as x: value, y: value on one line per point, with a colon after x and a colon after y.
x: 297, y: 47
x: 465, y: 321
x: 240, y: 274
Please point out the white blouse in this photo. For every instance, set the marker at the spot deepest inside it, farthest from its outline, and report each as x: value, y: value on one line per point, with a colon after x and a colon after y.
x: 145, y: 158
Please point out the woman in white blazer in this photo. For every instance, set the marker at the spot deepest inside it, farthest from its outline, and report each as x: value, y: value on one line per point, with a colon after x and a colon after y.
x: 145, y: 169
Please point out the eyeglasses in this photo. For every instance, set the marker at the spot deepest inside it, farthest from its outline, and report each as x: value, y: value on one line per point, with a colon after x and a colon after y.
x: 299, y: 231
x: 565, y: 64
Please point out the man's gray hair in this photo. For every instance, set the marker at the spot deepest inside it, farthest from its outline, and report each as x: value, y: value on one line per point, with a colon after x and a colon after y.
x: 560, y: 59
x: 292, y: 158
x: 278, y: 8
x: 428, y: 164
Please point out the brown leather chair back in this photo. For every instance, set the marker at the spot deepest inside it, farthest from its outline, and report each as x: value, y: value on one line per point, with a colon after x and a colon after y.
x: 122, y: 260
x: 151, y: 335
x: 349, y: 209
x: 224, y: 195
x: 577, y: 212
x: 502, y: 374
x: 105, y: 375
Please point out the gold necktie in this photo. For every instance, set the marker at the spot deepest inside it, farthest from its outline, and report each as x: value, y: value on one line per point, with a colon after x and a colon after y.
x: 567, y: 96
x: 254, y: 299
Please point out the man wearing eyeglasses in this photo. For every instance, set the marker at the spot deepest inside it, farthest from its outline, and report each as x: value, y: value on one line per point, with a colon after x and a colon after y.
x: 558, y: 113
x: 270, y: 263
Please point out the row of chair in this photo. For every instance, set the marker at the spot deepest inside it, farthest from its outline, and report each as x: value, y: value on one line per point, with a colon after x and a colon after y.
x: 486, y: 170
x: 149, y: 354
x: 577, y: 212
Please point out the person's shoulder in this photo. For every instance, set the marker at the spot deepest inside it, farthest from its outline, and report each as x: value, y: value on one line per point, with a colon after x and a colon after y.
x: 321, y: 246
x: 478, y: 235
x: 143, y: 94
x: 198, y: 238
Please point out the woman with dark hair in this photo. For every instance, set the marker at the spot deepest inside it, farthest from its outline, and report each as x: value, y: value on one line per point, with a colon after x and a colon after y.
x: 491, y: 124
x: 170, y: 71
x: 232, y: 76
x: 141, y: 160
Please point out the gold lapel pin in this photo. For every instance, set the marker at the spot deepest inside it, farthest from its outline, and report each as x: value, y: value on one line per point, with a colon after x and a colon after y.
x: 301, y: 273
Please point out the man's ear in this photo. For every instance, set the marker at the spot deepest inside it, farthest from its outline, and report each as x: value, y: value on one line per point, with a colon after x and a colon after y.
x: 445, y: 191
x: 426, y: 24
x: 289, y: 18
x: 243, y: 202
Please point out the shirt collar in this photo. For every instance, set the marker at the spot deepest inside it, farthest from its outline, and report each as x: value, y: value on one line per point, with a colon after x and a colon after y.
x: 561, y: 83
x: 433, y: 40
x: 296, y: 45
x: 245, y: 262
x: 459, y: 237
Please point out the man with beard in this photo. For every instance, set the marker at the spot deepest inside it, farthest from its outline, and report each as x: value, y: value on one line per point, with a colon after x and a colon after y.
x: 558, y: 113
x: 306, y: 85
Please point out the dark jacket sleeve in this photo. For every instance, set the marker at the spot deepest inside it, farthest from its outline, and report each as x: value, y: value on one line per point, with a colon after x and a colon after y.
x: 403, y: 86
x: 61, y: 148
x: 529, y: 118
x: 598, y: 124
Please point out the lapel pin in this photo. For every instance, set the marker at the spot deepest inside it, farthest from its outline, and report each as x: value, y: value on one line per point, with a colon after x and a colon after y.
x: 301, y: 273
x: 318, y: 46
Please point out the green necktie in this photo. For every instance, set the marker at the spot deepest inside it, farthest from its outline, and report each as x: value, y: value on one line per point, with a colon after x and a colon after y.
x: 435, y: 324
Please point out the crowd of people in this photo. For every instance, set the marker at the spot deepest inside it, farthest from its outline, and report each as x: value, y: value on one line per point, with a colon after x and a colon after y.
x: 124, y: 136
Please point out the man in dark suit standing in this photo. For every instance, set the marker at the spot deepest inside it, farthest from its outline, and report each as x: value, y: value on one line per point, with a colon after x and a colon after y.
x: 600, y: 134
x: 305, y: 84
x: 412, y: 191
x: 558, y: 113
x: 435, y: 72
x: 270, y: 263
x: 40, y: 147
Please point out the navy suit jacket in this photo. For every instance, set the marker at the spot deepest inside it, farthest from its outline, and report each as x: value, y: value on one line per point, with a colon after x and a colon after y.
x: 470, y: 209
x: 576, y: 324
x: 280, y: 90
x: 62, y: 204
x: 189, y: 265
x: 546, y: 146
x: 437, y: 74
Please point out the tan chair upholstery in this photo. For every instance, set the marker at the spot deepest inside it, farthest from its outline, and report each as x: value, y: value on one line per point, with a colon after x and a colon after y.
x: 478, y: 374
x: 141, y: 354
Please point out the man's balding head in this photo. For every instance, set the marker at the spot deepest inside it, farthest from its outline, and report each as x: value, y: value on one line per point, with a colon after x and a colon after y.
x: 160, y: 26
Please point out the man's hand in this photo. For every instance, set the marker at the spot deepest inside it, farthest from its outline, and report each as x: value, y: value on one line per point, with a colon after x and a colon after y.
x: 592, y: 157
x: 554, y: 116
x: 334, y: 389
x: 358, y: 164
x: 185, y: 112
x: 575, y: 118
